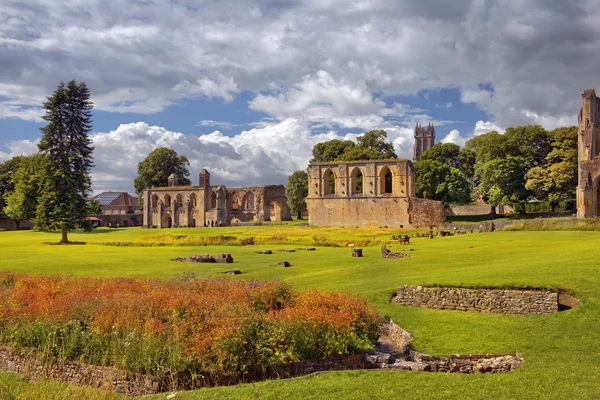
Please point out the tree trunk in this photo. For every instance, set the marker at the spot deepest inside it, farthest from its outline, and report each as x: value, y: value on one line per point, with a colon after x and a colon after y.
x: 522, y: 210
x: 493, y: 211
x: 299, y: 214
x: 17, y: 223
x: 65, y: 238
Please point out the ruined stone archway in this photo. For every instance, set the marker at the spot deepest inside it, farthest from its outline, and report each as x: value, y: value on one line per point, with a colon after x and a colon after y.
x: 386, y: 181
x: 274, y: 211
x: 329, y: 180
x: 166, y: 221
x: 356, y: 181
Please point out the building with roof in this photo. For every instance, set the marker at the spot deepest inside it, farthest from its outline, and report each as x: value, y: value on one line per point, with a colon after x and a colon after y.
x: 120, y: 207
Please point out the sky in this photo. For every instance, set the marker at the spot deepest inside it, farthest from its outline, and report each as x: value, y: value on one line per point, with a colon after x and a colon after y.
x: 247, y: 88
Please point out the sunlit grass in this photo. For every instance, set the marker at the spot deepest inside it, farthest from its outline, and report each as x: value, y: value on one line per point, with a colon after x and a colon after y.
x: 561, y: 351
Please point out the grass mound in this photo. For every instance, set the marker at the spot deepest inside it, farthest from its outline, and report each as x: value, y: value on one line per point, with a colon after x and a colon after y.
x: 214, y: 328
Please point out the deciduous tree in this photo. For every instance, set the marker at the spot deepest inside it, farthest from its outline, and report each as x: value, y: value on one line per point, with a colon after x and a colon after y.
x: 442, y: 174
x: 557, y: 180
x: 296, y: 191
x: 154, y: 170
x: 28, y: 181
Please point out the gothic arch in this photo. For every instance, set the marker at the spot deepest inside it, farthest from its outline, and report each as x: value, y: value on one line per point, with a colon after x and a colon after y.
x: 329, y: 181
x: 357, y: 181
x: 386, y: 181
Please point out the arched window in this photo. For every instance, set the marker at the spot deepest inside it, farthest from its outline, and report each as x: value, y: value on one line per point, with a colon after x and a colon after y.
x: 179, y: 200
x: 213, y: 200
x: 386, y: 181
x: 154, y: 200
x: 329, y: 182
x: 275, y: 211
x: 167, y: 200
x: 356, y: 181
x: 193, y: 200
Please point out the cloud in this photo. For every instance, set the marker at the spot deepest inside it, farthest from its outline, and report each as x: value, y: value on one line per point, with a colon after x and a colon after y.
x: 19, y: 148
x: 482, y: 127
x: 219, y: 124
x: 521, y: 61
x: 454, y: 137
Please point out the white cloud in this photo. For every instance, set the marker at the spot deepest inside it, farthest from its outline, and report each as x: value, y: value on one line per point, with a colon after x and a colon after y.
x: 19, y: 148
x: 142, y: 56
x: 482, y: 127
x: 454, y: 137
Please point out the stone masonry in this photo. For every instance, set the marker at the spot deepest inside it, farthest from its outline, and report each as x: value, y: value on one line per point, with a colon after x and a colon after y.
x: 494, y: 301
x: 190, y: 206
x: 588, y: 189
x: 368, y: 194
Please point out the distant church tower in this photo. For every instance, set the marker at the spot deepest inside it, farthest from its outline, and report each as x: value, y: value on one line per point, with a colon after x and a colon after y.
x: 424, y: 140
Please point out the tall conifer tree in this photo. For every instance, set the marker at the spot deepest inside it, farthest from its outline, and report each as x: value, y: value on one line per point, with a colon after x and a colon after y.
x: 64, y: 200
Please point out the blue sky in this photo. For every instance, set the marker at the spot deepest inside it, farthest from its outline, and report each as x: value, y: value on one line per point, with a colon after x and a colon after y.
x: 246, y: 88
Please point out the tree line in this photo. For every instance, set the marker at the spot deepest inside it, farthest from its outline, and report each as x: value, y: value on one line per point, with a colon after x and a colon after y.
x: 52, y: 187
x: 526, y: 164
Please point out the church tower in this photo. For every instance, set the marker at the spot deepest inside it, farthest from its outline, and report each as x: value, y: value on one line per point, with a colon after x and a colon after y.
x: 424, y: 140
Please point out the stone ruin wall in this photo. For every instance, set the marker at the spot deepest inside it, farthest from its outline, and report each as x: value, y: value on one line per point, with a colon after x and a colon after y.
x: 134, y: 384
x: 495, y: 301
x: 376, y: 205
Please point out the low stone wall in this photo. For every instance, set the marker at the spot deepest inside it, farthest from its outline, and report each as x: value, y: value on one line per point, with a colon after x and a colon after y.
x: 394, y: 352
x: 132, y: 384
x: 79, y: 374
x: 496, y: 301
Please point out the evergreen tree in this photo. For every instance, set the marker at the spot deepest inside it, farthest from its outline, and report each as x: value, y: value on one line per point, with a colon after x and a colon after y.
x: 63, y: 203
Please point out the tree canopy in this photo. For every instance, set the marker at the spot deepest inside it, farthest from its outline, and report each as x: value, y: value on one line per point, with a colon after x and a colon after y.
x: 28, y: 181
x: 8, y: 169
x: 296, y: 191
x: 370, y: 146
x: 502, y: 162
x: 154, y: 170
x: 63, y: 203
x: 556, y: 181
x: 445, y: 172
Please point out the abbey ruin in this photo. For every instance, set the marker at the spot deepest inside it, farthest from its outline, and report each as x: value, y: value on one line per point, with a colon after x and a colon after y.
x: 368, y: 194
x: 210, y: 205
x: 588, y: 189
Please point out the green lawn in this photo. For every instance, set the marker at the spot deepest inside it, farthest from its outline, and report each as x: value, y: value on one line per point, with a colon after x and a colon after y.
x: 561, y: 351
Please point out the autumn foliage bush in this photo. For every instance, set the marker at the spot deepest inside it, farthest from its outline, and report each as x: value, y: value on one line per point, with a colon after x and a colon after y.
x: 211, y: 328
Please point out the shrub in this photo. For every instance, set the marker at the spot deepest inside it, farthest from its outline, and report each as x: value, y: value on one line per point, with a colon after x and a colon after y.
x: 218, y: 328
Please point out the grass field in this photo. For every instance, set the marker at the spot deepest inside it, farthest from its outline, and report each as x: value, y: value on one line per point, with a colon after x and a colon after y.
x: 561, y: 351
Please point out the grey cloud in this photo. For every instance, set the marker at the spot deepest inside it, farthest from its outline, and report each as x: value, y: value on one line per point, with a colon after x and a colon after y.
x: 146, y: 55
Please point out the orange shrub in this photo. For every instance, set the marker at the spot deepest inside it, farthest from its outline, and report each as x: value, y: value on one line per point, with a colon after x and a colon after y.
x: 216, y: 326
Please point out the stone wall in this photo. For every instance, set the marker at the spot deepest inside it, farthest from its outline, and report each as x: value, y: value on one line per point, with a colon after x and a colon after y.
x: 394, y: 352
x: 379, y: 193
x: 131, y: 384
x: 425, y: 213
x: 495, y: 301
x: 79, y: 374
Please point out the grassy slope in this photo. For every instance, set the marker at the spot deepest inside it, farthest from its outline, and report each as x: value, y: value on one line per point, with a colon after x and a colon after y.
x: 562, y: 357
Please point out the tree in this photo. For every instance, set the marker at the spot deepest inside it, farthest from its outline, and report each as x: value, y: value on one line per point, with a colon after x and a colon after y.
x: 154, y: 170
x: 27, y: 180
x: 556, y: 181
x: 502, y: 162
x: 331, y: 150
x: 7, y: 170
x: 296, y: 191
x: 445, y: 172
x: 370, y: 146
x: 63, y: 203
